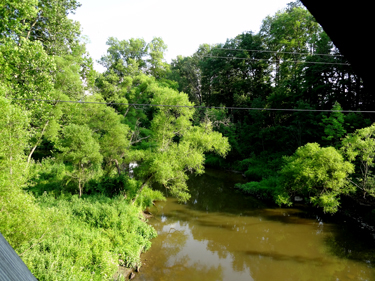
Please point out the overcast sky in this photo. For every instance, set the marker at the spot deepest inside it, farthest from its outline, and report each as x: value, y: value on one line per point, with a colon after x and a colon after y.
x: 183, y: 25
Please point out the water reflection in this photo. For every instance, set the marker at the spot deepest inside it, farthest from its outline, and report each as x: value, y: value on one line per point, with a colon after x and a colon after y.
x: 223, y: 235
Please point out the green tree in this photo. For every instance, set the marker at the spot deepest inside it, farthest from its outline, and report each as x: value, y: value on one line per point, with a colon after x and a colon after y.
x: 125, y: 58
x: 156, y: 66
x: 21, y: 219
x: 334, y: 126
x: 179, y: 146
x: 14, y: 139
x: 80, y: 149
x: 303, y: 126
x: 360, y: 147
x: 107, y: 127
x: 74, y: 74
x: 320, y: 173
x: 25, y: 69
x: 330, y: 80
x: 134, y: 56
x: 186, y: 72
x: 233, y: 74
x: 37, y: 36
x: 52, y: 27
x: 13, y: 15
x: 289, y: 30
x: 45, y: 21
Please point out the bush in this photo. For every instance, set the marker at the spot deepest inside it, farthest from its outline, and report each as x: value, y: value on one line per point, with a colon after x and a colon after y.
x: 148, y: 196
x: 319, y: 173
x: 260, y: 167
x: 267, y: 189
x: 71, y: 238
x: 214, y: 161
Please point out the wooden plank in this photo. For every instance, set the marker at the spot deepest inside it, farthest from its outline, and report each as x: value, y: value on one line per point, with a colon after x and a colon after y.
x: 12, y: 268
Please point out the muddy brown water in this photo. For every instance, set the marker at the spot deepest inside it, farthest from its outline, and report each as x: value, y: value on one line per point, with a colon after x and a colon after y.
x: 222, y: 234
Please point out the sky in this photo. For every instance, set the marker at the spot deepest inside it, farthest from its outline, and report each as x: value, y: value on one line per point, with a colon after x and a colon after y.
x: 183, y: 25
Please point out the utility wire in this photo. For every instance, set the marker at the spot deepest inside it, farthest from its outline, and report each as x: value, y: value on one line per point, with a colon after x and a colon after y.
x: 210, y: 107
x: 278, y: 52
x: 311, y: 62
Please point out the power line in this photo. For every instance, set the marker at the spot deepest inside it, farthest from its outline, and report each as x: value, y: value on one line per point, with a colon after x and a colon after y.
x: 311, y: 62
x: 278, y: 52
x: 199, y: 106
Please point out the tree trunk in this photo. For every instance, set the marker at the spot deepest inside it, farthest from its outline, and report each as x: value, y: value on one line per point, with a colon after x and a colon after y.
x: 80, y: 188
x: 143, y: 185
x: 79, y: 180
x: 38, y: 142
x: 117, y: 166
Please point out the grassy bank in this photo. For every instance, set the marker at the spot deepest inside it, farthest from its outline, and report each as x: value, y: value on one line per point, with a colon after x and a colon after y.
x: 64, y: 237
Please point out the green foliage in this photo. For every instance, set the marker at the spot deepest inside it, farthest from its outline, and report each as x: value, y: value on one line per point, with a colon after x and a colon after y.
x: 14, y: 139
x: 334, y: 126
x: 289, y: 30
x: 114, y: 185
x: 52, y: 27
x: 186, y: 72
x: 164, y: 142
x: 48, y: 175
x: 174, y: 158
x: 213, y: 160
x: 25, y: 80
x: 71, y: 69
x: 21, y: 219
x: 236, y: 81
x: 228, y: 74
x: 69, y: 238
x: 28, y: 80
x: 133, y: 57
x: 74, y: 239
x: 266, y: 189
x: 148, y: 196
x: 318, y: 173
x: 156, y: 49
x: 303, y: 125
x: 96, y: 235
x: 354, y: 121
x: 260, y: 167
x: 81, y: 150
x: 360, y: 147
x: 13, y: 16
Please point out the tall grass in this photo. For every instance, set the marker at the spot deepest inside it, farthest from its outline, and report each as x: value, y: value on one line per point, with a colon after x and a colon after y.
x: 60, y: 236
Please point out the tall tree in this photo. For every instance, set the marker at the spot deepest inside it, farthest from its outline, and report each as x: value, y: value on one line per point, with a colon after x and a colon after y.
x: 134, y: 56
x: 14, y: 140
x: 289, y: 30
x: 178, y: 147
x: 81, y: 150
x: 188, y: 73
x: 334, y: 126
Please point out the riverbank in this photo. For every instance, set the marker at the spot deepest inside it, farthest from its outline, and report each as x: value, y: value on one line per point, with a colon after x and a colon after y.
x: 126, y: 273
x: 87, y: 238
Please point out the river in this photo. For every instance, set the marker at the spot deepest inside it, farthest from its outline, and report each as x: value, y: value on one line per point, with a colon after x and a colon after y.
x: 222, y: 234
